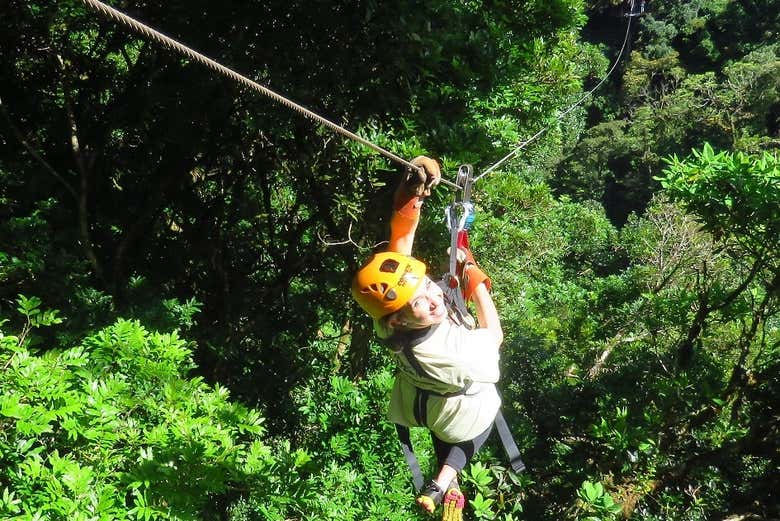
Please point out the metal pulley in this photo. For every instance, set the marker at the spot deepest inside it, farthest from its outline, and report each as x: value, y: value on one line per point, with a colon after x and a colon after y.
x: 459, y: 217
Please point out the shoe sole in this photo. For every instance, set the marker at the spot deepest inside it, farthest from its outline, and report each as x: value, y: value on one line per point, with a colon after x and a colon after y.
x: 426, y: 503
x: 453, y: 504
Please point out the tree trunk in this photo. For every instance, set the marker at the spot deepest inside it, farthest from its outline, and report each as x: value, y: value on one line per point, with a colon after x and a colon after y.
x: 358, y: 348
x: 84, y: 167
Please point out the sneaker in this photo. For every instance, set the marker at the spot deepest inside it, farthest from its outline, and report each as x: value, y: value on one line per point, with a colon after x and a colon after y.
x: 430, y: 497
x: 453, y: 503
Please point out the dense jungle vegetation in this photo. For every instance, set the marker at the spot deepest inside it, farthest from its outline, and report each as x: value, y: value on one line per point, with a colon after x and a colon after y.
x: 177, y: 339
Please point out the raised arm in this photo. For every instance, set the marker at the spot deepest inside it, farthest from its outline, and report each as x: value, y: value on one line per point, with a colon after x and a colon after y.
x: 408, y: 200
x: 487, y: 315
x: 476, y: 287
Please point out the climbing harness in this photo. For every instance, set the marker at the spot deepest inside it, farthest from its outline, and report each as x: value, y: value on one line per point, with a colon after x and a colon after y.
x: 459, y: 216
x: 420, y: 409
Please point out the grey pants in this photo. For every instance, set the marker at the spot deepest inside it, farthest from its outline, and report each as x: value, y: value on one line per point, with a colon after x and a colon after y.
x: 456, y: 455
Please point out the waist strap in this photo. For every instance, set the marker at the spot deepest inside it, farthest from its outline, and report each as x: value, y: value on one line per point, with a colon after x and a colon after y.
x: 420, y: 407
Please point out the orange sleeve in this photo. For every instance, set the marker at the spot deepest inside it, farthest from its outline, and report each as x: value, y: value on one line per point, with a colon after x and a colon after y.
x: 472, y: 277
x: 403, y: 222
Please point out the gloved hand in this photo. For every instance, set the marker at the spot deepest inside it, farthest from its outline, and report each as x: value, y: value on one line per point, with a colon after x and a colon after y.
x: 471, y: 275
x: 408, y: 199
x: 421, y: 183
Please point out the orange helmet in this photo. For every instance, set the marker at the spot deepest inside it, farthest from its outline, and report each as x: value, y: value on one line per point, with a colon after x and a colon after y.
x: 386, y: 282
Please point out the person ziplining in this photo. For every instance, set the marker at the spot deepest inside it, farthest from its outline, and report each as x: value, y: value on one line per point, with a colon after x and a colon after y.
x: 447, y: 370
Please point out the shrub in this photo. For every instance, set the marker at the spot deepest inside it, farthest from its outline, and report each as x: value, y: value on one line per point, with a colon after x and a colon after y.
x: 114, y: 429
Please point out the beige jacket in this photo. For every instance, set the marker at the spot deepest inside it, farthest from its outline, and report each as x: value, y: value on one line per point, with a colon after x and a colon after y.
x: 449, y: 358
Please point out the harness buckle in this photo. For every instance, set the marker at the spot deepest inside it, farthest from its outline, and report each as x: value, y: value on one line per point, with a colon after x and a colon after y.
x: 452, y: 281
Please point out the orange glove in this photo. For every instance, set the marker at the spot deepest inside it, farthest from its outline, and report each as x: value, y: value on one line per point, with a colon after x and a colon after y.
x: 471, y: 275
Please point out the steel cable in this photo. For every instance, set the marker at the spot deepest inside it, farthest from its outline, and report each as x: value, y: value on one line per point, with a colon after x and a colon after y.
x: 577, y: 103
x: 172, y: 44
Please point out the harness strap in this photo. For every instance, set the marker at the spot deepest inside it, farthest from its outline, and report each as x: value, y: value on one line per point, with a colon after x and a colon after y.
x: 409, y: 355
x: 411, y: 459
x: 421, y: 407
x: 508, y: 442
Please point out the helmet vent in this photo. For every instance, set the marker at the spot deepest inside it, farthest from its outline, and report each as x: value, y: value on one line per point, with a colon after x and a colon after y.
x: 390, y: 295
x: 389, y: 266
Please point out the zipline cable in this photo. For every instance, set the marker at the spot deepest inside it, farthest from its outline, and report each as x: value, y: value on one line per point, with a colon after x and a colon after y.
x: 172, y: 44
x: 576, y: 104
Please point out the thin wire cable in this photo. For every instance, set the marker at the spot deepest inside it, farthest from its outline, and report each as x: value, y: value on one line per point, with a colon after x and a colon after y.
x: 172, y: 44
x: 563, y: 114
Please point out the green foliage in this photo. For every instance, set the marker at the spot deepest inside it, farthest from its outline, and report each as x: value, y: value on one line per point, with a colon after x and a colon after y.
x: 736, y: 196
x: 640, y: 366
x: 113, y: 428
x: 593, y: 320
x: 34, y: 316
x: 685, y: 83
x: 496, y: 492
x: 597, y: 504
x: 352, y: 467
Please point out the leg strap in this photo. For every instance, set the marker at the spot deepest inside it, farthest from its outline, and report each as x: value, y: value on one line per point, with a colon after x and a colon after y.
x: 510, y: 447
x: 411, y: 459
x: 507, y: 441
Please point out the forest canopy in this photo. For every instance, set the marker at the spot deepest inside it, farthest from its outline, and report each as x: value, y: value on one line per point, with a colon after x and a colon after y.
x: 177, y: 339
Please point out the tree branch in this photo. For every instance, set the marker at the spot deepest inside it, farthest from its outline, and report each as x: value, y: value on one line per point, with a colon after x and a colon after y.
x: 34, y: 154
x: 737, y: 379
